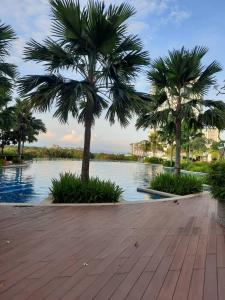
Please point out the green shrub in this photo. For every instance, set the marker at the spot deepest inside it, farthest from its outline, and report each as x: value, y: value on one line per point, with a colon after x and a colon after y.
x: 70, y: 189
x: 216, y: 180
x: 197, y: 166
x: 179, y: 185
x: 2, y: 162
x: 17, y: 160
x: 153, y: 160
x: 168, y: 163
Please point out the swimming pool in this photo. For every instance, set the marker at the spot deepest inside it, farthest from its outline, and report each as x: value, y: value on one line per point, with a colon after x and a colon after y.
x: 32, y: 183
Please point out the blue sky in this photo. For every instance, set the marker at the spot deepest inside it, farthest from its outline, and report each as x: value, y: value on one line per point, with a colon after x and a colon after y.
x: 161, y: 24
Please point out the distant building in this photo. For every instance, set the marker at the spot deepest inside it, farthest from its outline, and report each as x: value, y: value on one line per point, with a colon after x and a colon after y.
x: 211, y: 134
x: 137, y: 149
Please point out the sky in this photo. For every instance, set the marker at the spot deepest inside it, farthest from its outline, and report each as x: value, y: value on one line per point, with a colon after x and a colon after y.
x: 161, y: 24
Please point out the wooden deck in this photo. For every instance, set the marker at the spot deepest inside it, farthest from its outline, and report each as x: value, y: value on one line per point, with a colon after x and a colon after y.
x: 141, y: 251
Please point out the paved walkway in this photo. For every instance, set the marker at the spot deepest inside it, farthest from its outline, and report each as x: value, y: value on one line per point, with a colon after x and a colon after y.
x: 141, y: 251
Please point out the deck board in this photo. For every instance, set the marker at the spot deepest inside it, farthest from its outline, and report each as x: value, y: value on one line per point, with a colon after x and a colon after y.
x: 157, y: 250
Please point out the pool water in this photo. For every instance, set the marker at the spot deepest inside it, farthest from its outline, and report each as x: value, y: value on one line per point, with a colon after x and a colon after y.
x: 32, y: 183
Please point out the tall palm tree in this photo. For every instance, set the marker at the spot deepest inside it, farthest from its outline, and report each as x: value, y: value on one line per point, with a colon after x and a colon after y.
x: 181, y: 81
x: 7, y: 120
x: 27, y: 127
x: 167, y: 137
x: 92, y: 43
x: 7, y: 70
x: 154, y: 142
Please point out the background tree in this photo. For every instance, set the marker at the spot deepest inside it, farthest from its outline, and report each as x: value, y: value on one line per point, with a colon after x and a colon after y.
x: 154, y: 142
x: 92, y: 43
x: 198, y: 145
x: 167, y: 137
x: 27, y: 127
x: 181, y: 81
x: 7, y: 119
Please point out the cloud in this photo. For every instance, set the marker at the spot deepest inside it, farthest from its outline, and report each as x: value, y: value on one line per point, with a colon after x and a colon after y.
x: 72, y: 138
x: 179, y: 16
x: 138, y: 26
x: 49, y: 135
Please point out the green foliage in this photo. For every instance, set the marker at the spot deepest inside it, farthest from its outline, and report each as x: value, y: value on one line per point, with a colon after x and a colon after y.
x: 2, y: 162
x: 7, y: 70
x: 168, y: 163
x: 153, y: 160
x: 198, y: 166
x: 116, y: 157
x: 179, y: 185
x: 17, y: 160
x: 216, y: 180
x: 70, y: 189
x: 180, y: 83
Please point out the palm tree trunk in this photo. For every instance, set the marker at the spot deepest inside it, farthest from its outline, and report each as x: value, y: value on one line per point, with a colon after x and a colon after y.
x: 19, y: 149
x: 171, y: 155
x: 178, y: 147
x: 86, y: 152
x: 22, y: 151
x: 188, y: 152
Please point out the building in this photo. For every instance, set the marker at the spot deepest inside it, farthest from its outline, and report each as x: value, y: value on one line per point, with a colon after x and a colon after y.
x: 211, y: 134
x: 137, y: 149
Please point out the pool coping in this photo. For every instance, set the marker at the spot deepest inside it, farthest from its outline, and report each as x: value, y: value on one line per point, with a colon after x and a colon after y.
x: 151, y: 191
x: 46, y: 202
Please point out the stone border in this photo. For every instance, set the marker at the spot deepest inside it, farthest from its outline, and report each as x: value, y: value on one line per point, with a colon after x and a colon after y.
x: 151, y: 191
x: 47, y: 203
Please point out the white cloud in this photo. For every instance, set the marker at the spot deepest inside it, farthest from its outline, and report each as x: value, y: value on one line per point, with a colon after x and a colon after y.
x: 49, y: 135
x: 179, y: 16
x: 138, y: 26
x: 72, y: 138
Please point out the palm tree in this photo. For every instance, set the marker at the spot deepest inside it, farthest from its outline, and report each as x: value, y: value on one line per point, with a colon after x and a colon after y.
x: 167, y: 137
x: 154, y: 143
x: 7, y: 120
x: 27, y: 127
x: 92, y: 43
x: 7, y: 70
x: 181, y: 81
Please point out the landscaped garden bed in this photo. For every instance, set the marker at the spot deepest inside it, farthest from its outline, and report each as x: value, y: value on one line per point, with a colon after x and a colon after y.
x: 216, y: 179
x: 178, y: 185
x: 69, y: 188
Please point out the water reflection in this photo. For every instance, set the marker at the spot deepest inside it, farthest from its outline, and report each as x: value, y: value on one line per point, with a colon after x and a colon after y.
x: 33, y: 183
x: 16, y: 185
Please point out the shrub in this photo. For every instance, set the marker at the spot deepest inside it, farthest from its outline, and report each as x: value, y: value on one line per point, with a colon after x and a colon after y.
x: 198, y: 166
x: 153, y: 160
x: 168, y: 163
x: 70, y: 189
x: 216, y: 179
x: 179, y: 185
x: 2, y: 162
x: 17, y: 160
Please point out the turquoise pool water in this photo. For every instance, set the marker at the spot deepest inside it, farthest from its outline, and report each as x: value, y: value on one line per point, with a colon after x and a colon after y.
x: 32, y: 183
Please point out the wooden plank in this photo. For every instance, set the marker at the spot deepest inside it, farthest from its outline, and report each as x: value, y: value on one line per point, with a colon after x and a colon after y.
x: 108, y: 289
x: 130, y: 279
x: 221, y: 283
x: 210, y: 286
x: 183, y: 284
x: 156, y: 283
x: 169, y: 285
x: 197, y: 283
x: 140, y: 286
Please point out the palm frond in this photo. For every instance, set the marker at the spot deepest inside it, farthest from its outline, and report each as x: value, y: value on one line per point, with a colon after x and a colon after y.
x: 52, y: 54
x: 7, y: 35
